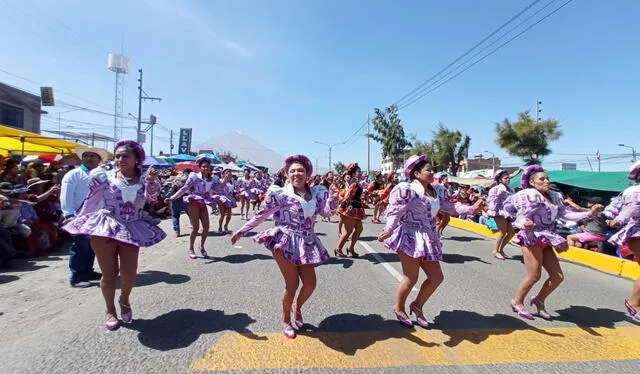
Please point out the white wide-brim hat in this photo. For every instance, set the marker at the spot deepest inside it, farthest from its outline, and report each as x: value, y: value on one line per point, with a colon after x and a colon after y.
x: 104, y: 155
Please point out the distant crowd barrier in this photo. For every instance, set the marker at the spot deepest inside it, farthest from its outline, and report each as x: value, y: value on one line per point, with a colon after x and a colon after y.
x: 599, y: 261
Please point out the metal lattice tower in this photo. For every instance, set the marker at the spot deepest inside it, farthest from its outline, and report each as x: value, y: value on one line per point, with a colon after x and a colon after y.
x: 120, y: 65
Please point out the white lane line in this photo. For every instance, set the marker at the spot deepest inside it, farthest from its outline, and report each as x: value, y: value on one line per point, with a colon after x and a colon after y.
x: 385, y: 264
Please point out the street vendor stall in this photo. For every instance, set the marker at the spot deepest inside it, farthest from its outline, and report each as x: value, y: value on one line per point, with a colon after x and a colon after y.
x: 15, y: 141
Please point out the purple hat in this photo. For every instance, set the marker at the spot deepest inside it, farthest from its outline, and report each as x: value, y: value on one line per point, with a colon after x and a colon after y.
x: 203, y: 159
x: 137, y: 148
x: 411, y: 163
x: 499, y: 174
x: 301, y: 159
x: 634, y: 171
x: 524, y: 180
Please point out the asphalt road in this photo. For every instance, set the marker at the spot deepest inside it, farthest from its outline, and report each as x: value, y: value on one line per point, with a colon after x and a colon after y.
x: 223, y: 314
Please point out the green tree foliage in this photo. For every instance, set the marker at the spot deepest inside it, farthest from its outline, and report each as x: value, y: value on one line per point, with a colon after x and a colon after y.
x: 420, y: 147
x: 390, y: 134
x: 339, y: 167
x: 450, y: 148
x: 527, y: 138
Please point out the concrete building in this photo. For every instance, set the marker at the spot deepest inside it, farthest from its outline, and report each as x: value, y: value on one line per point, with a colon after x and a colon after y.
x: 19, y: 109
x: 480, y: 163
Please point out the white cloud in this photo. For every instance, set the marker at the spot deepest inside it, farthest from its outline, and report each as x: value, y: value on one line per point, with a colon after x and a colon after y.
x: 182, y: 10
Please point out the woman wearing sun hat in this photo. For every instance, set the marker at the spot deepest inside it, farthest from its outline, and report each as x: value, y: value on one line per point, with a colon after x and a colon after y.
x: 629, y: 219
x: 113, y: 216
x: 498, y: 194
x: 294, y: 244
x: 534, y: 210
x: 197, y: 193
x: 411, y: 232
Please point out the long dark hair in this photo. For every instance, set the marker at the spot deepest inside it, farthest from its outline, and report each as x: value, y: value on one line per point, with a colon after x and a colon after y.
x: 418, y: 167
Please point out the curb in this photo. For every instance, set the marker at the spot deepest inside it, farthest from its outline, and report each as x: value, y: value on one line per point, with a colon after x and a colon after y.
x: 599, y: 261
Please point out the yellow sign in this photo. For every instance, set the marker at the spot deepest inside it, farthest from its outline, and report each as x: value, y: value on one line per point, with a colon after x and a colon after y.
x: 46, y: 94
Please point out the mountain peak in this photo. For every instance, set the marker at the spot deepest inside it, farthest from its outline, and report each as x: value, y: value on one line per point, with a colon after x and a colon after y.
x: 246, y: 147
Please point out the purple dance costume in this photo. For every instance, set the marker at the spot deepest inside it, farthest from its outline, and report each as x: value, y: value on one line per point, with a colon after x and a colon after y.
x: 411, y: 220
x: 495, y: 201
x: 226, y: 195
x: 247, y: 188
x: 259, y: 187
x: 530, y: 205
x: 629, y: 216
x: 114, y: 210
x: 295, y: 220
x: 198, y: 190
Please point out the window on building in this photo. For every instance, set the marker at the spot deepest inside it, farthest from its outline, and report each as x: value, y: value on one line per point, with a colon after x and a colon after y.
x: 12, y: 116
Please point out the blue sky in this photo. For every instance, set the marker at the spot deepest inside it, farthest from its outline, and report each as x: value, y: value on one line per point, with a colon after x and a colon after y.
x: 291, y: 72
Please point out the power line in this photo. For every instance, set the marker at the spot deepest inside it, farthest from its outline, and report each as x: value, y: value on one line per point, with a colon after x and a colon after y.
x: 463, y: 63
x: 487, y: 55
x: 397, y: 102
x: 42, y: 84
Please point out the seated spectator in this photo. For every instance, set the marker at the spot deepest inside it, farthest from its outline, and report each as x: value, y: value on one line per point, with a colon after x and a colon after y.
x: 595, y: 231
x: 11, y: 172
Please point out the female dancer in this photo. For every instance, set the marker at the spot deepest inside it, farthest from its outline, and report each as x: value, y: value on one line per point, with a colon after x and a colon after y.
x: 293, y: 242
x: 497, y: 196
x: 443, y: 218
x: 227, y: 200
x: 391, y: 182
x: 375, y: 189
x: 112, y: 216
x: 534, y: 211
x: 259, y: 188
x: 630, y: 234
x: 351, y: 212
x: 196, y: 193
x: 245, y: 186
x: 411, y: 232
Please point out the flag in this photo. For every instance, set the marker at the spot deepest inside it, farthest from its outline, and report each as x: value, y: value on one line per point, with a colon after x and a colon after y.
x: 598, y: 155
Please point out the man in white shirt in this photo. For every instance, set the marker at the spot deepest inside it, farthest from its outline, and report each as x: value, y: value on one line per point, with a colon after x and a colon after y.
x: 75, y: 189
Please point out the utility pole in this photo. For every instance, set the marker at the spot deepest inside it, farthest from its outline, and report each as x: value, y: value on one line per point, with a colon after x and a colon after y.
x: 538, y: 111
x: 140, y: 98
x: 139, y: 105
x: 368, y: 145
x: 171, y: 143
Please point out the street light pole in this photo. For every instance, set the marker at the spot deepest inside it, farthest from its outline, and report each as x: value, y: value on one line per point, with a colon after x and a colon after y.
x: 633, y: 151
x: 330, y: 148
x: 493, y: 161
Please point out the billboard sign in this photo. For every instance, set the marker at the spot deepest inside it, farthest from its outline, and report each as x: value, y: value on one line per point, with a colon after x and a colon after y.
x: 184, y: 142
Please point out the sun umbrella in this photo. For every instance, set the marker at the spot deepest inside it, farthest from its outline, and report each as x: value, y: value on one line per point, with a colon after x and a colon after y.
x: 154, y: 161
x: 211, y: 156
x: 184, y: 158
x: 166, y: 159
x: 181, y: 166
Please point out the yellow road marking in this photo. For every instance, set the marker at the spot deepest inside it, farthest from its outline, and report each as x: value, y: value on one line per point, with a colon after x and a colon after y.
x: 234, y: 351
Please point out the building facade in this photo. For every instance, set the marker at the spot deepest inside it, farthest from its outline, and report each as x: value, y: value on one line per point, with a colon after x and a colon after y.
x: 19, y: 109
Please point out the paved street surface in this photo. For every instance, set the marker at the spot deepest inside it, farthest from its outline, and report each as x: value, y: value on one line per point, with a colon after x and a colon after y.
x: 223, y: 314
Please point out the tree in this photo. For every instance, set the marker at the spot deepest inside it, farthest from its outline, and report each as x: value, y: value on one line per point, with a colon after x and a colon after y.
x: 420, y: 147
x: 339, y: 167
x: 390, y: 134
x: 527, y: 138
x: 450, y: 148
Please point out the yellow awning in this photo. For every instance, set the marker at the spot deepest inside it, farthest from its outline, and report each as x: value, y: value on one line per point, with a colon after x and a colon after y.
x: 15, y: 141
